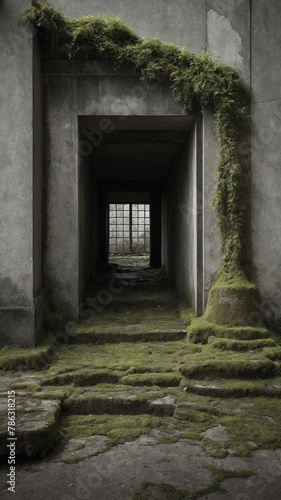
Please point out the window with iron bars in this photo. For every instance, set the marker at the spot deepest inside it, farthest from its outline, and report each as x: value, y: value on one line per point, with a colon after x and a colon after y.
x: 129, y: 228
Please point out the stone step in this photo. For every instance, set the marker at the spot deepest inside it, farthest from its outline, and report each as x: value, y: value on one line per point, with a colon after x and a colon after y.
x: 231, y: 389
x: 244, y: 369
x: 36, y: 425
x: 84, y: 377
x: 93, y: 337
x: 92, y: 377
x: 120, y: 402
x: 152, y: 379
x: 200, y: 334
x: 225, y: 344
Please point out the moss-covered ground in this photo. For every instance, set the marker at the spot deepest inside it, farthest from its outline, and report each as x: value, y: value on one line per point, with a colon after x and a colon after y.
x: 171, y: 389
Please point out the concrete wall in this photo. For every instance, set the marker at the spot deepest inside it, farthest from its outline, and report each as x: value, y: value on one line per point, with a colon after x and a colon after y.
x: 19, y: 253
x: 180, y: 21
x: 244, y: 33
x: 211, y: 241
x: 73, y: 89
x: 228, y: 32
x: 181, y: 222
x: 266, y: 155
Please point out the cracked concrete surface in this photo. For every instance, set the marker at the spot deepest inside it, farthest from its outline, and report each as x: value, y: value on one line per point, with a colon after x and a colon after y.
x: 121, y: 472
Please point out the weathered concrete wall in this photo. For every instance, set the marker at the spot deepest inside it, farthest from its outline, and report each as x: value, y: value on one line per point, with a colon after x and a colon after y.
x: 180, y: 225
x: 211, y: 242
x: 242, y: 33
x: 266, y: 155
x: 72, y: 89
x: 180, y: 21
x: 18, y: 270
x: 228, y: 32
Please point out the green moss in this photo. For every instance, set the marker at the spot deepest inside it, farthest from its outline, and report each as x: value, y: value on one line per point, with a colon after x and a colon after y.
x: 232, y: 305
x: 126, y: 357
x: 116, y: 427
x: 186, y: 314
x: 244, y: 345
x: 273, y: 354
x: 230, y: 369
x: 219, y: 453
x: 22, y: 358
x: 200, y: 330
x: 150, y: 491
x: 181, y: 413
x: 138, y: 316
x: 194, y: 79
x: 234, y: 281
x: 84, y: 377
x: 60, y: 394
x: 152, y: 379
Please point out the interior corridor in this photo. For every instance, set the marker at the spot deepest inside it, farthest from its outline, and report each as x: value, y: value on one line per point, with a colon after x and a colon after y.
x: 139, y: 191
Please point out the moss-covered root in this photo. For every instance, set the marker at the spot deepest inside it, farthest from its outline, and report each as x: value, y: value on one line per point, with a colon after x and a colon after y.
x: 234, y: 304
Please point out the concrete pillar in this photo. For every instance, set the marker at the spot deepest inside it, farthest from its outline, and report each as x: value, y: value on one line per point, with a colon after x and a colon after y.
x: 20, y: 153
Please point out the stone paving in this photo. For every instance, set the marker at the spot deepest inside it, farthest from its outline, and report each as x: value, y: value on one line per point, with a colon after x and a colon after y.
x: 142, y: 466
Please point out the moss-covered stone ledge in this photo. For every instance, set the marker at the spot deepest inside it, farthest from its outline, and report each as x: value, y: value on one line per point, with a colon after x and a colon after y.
x: 37, y: 425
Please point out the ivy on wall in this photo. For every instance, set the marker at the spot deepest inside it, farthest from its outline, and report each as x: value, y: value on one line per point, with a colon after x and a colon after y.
x: 194, y: 79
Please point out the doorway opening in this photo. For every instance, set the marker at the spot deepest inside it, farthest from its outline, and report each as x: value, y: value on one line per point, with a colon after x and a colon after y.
x: 129, y: 233
x: 139, y: 201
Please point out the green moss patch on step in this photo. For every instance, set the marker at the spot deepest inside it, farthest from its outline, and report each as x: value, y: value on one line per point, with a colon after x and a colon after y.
x: 200, y: 330
x: 84, y: 377
x: 150, y: 379
x: 242, y: 345
x: 128, y: 315
x: 120, y: 401
x: 188, y: 413
x: 273, y: 354
x: 118, y: 428
x: 23, y: 358
x: 129, y: 336
x: 36, y: 426
x: 253, y: 368
x: 51, y: 392
x: 126, y: 357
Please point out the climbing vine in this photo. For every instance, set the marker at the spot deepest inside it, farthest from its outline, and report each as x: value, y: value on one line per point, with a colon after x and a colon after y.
x: 194, y: 79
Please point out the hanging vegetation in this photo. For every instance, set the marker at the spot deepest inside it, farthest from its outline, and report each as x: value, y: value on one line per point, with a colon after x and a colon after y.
x: 193, y: 79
